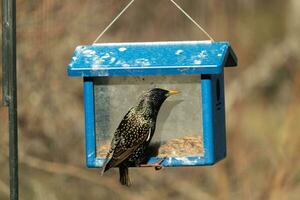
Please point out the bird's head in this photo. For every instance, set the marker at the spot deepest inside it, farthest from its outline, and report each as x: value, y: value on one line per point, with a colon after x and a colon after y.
x: 151, y: 101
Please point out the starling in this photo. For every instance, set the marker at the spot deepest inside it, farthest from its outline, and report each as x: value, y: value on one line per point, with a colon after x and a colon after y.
x: 134, y: 133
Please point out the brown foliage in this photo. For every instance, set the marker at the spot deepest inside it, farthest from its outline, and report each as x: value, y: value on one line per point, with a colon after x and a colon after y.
x: 262, y: 94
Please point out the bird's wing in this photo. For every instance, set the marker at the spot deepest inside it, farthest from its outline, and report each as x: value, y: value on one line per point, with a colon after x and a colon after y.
x: 114, y: 143
x: 123, y: 153
x: 124, y: 143
x: 149, y: 135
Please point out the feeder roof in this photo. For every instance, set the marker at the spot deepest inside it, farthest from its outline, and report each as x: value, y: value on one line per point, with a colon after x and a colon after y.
x: 151, y: 58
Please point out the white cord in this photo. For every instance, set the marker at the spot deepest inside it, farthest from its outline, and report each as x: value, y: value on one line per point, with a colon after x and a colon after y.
x: 113, y: 21
x: 190, y: 18
x: 131, y: 2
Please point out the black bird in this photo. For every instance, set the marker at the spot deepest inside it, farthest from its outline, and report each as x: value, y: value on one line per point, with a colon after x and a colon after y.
x: 134, y: 133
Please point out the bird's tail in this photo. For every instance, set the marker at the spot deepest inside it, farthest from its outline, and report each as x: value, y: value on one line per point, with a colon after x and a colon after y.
x: 124, y: 176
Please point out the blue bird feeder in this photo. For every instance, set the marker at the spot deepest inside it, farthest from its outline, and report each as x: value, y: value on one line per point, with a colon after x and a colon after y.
x: 190, y: 127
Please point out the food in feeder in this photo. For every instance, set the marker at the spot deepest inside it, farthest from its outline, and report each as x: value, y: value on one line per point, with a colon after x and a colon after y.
x: 133, y: 135
x: 177, y: 147
x: 183, y: 146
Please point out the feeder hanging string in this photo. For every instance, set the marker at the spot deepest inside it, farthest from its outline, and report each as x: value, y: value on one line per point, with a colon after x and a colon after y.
x: 113, y: 21
x: 177, y: 6
x: 192, y: 20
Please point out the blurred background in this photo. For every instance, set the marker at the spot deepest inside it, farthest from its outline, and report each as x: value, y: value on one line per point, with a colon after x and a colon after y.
x: 262, y: 99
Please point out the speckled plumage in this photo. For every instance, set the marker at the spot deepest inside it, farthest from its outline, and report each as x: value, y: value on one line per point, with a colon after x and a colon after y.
x: 134, y: 133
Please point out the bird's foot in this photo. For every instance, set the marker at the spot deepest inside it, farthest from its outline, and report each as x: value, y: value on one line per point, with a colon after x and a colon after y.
x: 157, y: 165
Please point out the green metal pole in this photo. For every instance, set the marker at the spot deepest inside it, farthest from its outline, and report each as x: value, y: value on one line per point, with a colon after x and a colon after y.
x: 10, y: 89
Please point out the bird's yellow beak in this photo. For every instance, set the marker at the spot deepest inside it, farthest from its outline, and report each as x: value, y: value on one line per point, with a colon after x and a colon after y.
x: 173, y: 92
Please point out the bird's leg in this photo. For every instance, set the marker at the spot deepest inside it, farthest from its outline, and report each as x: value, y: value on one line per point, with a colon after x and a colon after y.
x: 156, y: 165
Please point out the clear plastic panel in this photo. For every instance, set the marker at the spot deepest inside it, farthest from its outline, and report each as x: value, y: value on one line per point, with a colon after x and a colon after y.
x: 179, y: 123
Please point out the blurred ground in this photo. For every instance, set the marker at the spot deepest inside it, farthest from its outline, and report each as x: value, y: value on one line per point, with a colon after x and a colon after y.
x: 262, y: 96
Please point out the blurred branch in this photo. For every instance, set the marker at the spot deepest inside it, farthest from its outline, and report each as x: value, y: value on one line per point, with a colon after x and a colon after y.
x: 4, y: 188
x: 190, y: 191
x: 76, y: 172
x: 262, y: 70
x: 271, y: 59
x: 282, y: 176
